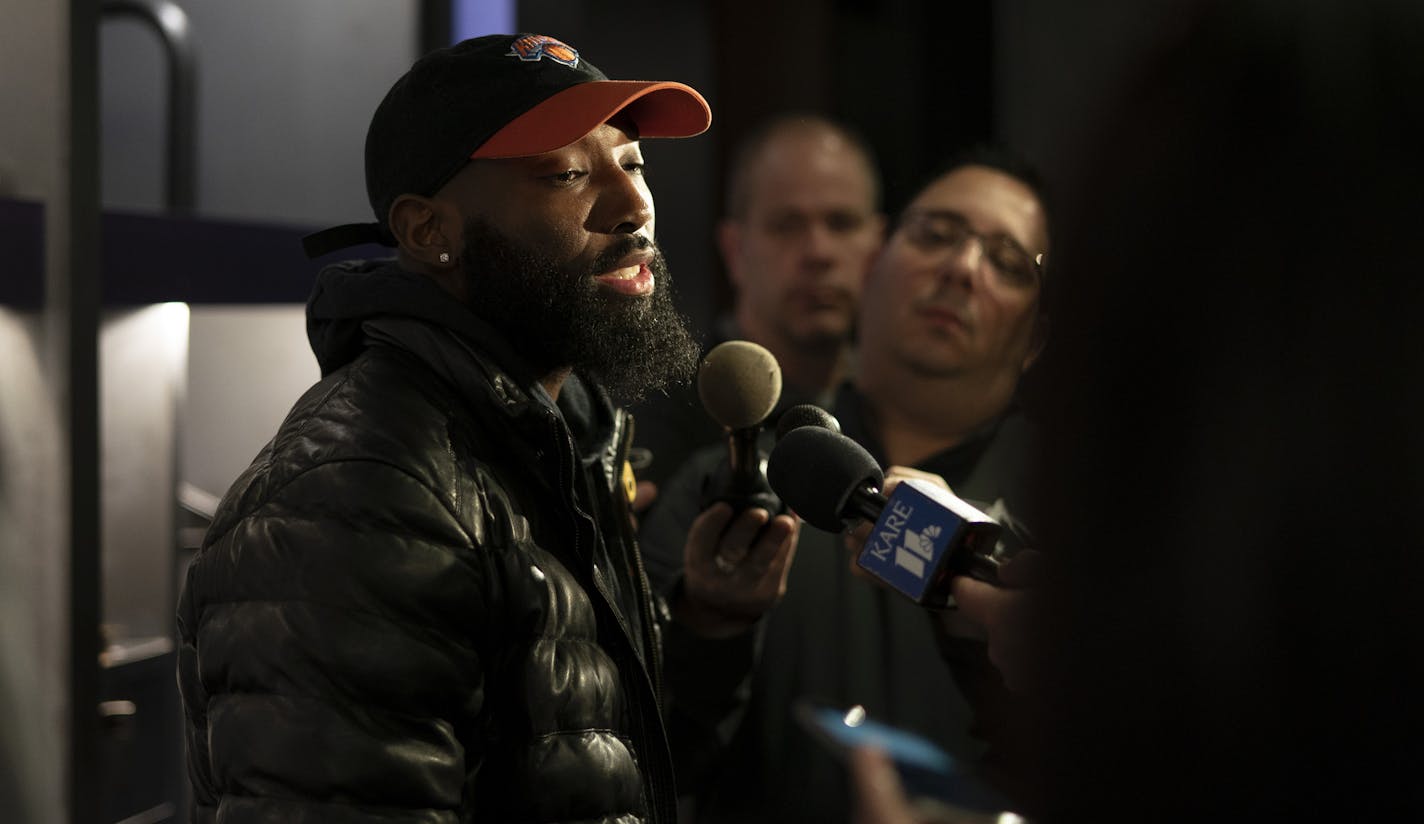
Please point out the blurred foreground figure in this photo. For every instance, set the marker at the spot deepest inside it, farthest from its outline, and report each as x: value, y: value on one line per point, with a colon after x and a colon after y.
x: 1231, y: 626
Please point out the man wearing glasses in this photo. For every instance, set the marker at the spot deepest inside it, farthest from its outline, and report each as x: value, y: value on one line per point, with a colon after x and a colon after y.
x: 950, y: 319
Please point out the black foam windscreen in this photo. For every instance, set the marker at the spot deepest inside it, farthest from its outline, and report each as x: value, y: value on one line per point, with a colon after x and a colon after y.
x: 805, y: 414
x: 815, y: 471
x: 739, y: 383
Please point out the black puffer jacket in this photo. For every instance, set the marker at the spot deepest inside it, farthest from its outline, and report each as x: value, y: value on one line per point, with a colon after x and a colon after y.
x: 422, y: 602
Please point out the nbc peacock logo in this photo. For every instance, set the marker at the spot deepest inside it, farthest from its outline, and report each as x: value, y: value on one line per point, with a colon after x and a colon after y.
x: 917, y: 549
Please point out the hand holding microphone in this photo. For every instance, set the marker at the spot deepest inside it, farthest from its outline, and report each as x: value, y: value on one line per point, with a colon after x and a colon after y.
x: 923, y: 534
x: 1005, y: 616
x: 738, y: 551
x: 739, y: 383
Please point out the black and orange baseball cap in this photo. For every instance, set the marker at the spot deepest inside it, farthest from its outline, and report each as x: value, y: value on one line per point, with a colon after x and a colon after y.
x: 497, y: 96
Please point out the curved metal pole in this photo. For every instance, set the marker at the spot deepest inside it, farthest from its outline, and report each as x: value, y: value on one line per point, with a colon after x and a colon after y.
x: 171, y: 23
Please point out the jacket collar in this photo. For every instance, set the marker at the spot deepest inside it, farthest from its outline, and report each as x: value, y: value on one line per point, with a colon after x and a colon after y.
x: 357, y: 302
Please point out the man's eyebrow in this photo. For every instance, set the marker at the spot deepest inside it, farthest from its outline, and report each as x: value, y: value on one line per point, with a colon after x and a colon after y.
x: 938, y: 213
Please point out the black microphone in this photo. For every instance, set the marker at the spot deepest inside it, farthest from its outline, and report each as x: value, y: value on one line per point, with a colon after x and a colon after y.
x: 805, y: 414
x: 739, y: 383
x: 923, y: 534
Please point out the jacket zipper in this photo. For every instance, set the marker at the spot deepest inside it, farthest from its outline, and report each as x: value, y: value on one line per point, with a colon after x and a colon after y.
x: 661, y: 786
x: 625, y: 528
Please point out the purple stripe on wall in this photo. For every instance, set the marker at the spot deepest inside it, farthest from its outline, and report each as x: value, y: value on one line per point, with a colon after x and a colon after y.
x: 22, y: 258
x: 147, y: 259
x: 472, y: 18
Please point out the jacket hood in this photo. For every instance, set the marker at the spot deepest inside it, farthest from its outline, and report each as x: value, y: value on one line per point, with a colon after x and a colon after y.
x: 352, y: 293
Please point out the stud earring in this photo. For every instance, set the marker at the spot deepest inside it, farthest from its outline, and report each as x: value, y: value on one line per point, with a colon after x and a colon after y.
x: 444, y: 257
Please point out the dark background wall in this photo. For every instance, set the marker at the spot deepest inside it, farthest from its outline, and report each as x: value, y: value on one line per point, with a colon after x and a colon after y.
x: 919, y: 79
x: 284, y: 91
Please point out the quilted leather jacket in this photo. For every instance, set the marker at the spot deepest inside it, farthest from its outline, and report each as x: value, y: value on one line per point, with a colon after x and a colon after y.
x: 422, y: 601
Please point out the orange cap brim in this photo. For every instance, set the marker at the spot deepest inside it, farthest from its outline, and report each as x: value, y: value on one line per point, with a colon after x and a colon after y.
x: 657, y: 108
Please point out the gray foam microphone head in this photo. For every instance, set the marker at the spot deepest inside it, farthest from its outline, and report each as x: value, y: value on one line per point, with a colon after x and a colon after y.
x: 739, y: 383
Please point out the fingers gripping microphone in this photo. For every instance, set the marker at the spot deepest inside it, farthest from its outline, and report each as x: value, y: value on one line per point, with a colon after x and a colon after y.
x: 739, y: 384
x: 923, y: 534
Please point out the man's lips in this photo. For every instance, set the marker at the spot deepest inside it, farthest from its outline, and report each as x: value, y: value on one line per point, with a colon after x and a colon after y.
x: 822, y: 298
x: 636, y: 279
x: 943, y: 317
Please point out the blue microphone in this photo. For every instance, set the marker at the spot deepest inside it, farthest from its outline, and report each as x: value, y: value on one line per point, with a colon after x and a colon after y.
x: 923, y: 533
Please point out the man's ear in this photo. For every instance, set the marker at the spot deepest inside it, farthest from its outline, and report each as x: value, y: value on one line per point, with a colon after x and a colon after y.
x: 425, y: 230
x: 880, y: 225
x: 882, y: 228
x: 729, y: 238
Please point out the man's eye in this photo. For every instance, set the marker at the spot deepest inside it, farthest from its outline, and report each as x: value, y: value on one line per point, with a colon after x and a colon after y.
x: 786, y: 225
x: 568, y: 176
x: 1014, y: 265
x: 637, y: 167
x: 928, y: 234
x: 842, y: 223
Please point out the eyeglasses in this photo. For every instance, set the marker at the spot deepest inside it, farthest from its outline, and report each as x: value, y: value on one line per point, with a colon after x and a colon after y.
x: 936, y: 231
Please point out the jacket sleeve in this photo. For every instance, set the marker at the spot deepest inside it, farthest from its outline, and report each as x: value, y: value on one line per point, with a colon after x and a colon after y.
x: 707, y: 682
x: 330, y: 656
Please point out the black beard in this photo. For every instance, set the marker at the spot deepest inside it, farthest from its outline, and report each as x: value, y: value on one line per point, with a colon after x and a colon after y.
x: 558, y: 318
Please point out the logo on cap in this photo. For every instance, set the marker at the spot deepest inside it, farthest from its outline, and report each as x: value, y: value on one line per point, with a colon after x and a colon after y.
x: 532, y: 47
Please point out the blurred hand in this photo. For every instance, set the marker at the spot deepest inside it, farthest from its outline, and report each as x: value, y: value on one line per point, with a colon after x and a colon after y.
x: 879, y: 797
x: 735, y: 567
x: 641, y: 495
x: 998, y: 614
x: 1003, y: 616
x: 645, y: 493
x: 856, y: 537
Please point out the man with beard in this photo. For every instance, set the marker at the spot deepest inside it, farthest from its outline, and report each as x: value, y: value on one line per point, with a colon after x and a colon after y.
x: 423, y: 600
x: 950, y: 319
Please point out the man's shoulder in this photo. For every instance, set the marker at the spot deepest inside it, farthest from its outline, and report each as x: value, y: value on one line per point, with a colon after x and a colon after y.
x: 381, y: 402
x: 383, y: 412
x: 1013, y: 441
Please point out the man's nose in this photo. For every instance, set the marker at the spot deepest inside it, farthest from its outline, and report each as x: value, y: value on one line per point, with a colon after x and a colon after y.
x: 963, y: 262
x: 629, y: 206
x: 819, y: 243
